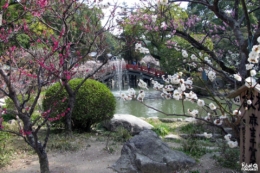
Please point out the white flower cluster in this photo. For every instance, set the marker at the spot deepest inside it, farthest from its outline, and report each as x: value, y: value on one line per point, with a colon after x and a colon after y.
x: 102, y: 5
x: 163, y: 2
x: 253, y: 59
x: 138, y: 47
x: 207, y: 135
x: 193, y: 113
x: 129, y: 95
x: 142, y: 84
x: 231, y: 144
x: 154, y: 17
x: 211, y: 75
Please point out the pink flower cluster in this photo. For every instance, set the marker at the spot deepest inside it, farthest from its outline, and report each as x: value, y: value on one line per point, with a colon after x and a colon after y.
x: 58, y: 117
x: 25, y: 133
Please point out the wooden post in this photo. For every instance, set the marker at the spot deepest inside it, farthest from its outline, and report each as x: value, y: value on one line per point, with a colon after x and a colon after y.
x: 249, y: 129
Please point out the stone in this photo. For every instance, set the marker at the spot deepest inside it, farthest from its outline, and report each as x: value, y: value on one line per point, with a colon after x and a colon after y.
x: 191, y: 119
x: 168, y: 120
x: 130, y: 122
x: 147, y: 153
x: 172, y: 137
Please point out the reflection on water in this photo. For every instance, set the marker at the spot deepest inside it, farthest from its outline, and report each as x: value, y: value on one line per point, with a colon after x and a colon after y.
x: 168, y: 106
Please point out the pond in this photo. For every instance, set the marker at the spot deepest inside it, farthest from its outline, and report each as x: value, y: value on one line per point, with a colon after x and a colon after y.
x: 154, y: 100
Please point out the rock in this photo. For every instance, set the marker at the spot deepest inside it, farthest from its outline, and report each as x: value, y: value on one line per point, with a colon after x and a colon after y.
x: 172, y: 137
x: 168, y: 120
x: 200, y: 136
x: 132, y: 123
x: 190, y: 119
x: 147, y: 153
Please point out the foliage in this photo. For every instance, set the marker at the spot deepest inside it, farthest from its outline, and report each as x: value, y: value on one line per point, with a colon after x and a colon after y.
x: 4, y: 152
x: 94, y: 103
x: 228, y: 157
x: 192, y: 128
x: 192, y: 147
x: 122, y: 134
x: 161, y: 129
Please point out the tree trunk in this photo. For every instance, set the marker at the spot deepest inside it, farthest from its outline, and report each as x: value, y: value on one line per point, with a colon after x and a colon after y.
x: 68, y: 125
x: 44, y: 162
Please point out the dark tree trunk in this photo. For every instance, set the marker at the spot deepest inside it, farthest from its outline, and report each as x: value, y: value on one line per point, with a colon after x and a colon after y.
x: 88, y: 126
x: 68, y: 125
x: 44, y: 162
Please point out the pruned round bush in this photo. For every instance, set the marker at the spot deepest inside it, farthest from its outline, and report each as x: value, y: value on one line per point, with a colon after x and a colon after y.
x: 94, y: 103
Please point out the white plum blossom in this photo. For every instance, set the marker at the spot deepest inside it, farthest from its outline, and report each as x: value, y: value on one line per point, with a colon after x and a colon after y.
x: 232, y: 144
x: 256, y: 48
x: 211, y: 75
x: 253, y: 57
x: 200, y: 69
x: 163, y: 25
x: 189, y: 83
x: 126, y: 97
x: 141, y: 96
x: 237, y: 77
x: 154, y: 17
x: 191, y: 96
x: 258, y: 40
x: 212, y: 106
x: 207, y: 135
x: 252, y: 72
x: 218, y: 122
x: 250, y: 82
x: 223, y: 116
x: 193, y: 112
x: 183, y: 87
x: 142, y: 84
x: 138, y: 47
x: 201, y: 103
x: 236, y: 112
x: 184, y: 53
x: 193, y: 57
x: 163, y: 2
x: 249, y: 102
x: 249, y: 66
x: 177, y: 95
x: 207, y: 118
x: 227, y: 137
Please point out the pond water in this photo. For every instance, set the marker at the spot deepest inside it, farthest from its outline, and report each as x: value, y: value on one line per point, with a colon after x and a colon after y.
x: 154, y: 100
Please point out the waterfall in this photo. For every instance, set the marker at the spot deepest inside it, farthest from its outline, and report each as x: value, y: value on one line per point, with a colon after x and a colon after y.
x: 119, y: 73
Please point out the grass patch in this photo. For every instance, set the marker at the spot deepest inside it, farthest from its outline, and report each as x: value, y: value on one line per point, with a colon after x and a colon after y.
x: 229, y: 157
x: 193, y: 148
x: 5, y: 150
x: 192, y: 128
x: 161, y: 130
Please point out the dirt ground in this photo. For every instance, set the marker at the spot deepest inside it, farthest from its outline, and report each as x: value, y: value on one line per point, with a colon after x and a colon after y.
x: 93, y: 159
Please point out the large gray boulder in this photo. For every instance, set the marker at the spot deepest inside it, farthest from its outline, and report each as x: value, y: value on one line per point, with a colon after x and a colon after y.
x: 147, y: 153
x: 132, y: 123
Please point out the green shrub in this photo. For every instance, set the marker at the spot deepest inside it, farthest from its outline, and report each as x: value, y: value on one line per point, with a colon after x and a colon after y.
x: 10, y: 106
x: 8, y: 117
x: 161, y: 129
x: 94, y: 103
